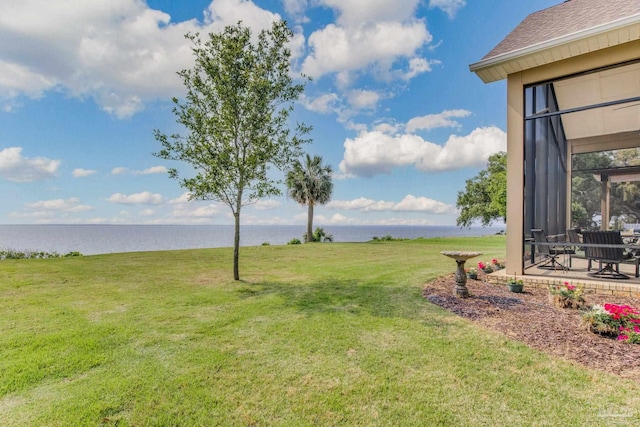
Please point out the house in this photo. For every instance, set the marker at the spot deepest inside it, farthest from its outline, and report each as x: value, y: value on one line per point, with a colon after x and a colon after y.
x: 573, y: 87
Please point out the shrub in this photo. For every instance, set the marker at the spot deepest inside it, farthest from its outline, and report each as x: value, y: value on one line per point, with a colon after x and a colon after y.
x: 29, y: 254
x: 319, y: 235
x: 388, y: 238
x: 567, y: 296
x: 294, y: 241
x: 266, y: 244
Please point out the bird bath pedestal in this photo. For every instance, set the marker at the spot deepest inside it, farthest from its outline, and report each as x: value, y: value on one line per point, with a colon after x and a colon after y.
x: 461, y: 276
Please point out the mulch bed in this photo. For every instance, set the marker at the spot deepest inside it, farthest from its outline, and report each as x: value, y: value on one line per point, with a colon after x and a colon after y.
x: 529, y: 317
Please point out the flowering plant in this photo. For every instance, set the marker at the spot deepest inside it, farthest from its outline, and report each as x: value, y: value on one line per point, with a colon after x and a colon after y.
x: 472, y: 273
x: 496, y: 264
x: 619, y: 321
x: 486, y: 267
x: 567, y: 296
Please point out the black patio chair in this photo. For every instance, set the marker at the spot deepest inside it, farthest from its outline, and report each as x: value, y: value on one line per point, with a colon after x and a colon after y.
x: 574, y: 237
x: 550, y: 253
x: 610, y: 256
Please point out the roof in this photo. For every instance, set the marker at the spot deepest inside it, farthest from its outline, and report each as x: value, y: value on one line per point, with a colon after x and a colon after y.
x: 569, y: 29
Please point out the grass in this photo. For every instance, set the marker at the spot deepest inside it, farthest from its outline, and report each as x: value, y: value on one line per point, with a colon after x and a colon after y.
x: 315, y: 334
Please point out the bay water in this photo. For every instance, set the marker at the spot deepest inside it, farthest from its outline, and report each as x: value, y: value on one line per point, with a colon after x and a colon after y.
x: 101, y: 239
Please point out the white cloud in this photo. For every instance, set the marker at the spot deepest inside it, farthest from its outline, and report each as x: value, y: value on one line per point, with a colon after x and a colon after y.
x: 121, y: 53
x: 118, y: 170
x: 418, y: 66
x: 432, y: 121
x: 354, y: 12
x: 60, y: 205
x: 403, y: 221
x: 152, y: 170
x: 372, y: 153
x: 423, y: 204
x: 323, y: 104
x: 450, y: 7
x: 14, y: 167
x: 336, y: 219
x: 193, y: 210
x: 187, y: 211
x: 268, y: 204
x: 183, y: 198
x: 143, y: 198
x: 386, y: 128
x: 363, y: 99
x: 361, y: 204
x: 340, y: 49
x: 409, y: 204
x: 81, y: 173
x: 228, y: 12
x: 296, y: 9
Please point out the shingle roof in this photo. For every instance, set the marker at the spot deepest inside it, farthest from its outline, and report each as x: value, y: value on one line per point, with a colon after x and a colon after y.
x: 569, y: 29
x: 566, y: 18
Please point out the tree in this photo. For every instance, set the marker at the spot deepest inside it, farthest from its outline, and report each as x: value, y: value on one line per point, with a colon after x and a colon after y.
x: 239, y: 96
x: 310, y: 184
x: 485, y: 195
x: 585, y: 189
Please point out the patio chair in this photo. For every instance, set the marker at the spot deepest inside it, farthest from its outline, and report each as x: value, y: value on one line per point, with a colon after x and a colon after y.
x: 550, y: 253
x: 574, y: 237
x: 610, y: 256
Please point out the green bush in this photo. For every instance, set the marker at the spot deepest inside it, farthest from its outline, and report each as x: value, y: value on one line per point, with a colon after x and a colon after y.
x: 294, y: 241
x: 29, y: 254
x: 388, y: 238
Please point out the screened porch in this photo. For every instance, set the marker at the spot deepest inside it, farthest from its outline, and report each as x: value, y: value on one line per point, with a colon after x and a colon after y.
x: 582, y: 165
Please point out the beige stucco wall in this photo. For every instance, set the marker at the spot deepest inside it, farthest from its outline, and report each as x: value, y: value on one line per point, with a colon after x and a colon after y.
x: 515, y: 132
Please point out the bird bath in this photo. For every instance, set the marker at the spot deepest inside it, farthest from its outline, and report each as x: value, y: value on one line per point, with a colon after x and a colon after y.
x: 461, y: 277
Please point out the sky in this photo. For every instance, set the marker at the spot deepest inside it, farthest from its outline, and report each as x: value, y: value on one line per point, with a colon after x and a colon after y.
x: 394, y: 108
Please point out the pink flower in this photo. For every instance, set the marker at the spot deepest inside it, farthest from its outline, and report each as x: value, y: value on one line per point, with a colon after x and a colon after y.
x: 623, y: 337
x: 481, y: 266
x: 571, y: 287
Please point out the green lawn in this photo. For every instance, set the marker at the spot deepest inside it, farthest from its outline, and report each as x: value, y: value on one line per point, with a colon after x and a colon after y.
x: 315, y: 334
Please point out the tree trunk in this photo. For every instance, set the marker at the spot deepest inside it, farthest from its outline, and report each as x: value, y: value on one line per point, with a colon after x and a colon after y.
x: 236, y: 246
x: 310, y: 223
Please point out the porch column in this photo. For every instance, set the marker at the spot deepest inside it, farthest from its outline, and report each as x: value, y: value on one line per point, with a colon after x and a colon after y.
x: 515, y: 174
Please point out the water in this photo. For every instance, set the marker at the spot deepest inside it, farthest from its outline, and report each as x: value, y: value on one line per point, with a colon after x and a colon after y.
x: 101, y: 239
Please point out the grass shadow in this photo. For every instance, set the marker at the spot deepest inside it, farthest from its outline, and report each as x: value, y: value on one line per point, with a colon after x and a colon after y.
x: 342, y: 296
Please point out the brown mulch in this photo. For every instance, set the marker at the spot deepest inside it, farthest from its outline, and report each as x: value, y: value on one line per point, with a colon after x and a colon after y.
x: 529, y: 317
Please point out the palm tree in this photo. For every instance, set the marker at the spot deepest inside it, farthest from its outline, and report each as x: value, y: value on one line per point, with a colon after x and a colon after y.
x: 310, y: 184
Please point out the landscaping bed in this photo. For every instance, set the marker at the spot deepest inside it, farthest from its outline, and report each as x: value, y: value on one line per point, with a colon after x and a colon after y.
x: 529, y: 317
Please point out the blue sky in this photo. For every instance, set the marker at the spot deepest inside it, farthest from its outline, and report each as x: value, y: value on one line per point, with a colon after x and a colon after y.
x: 394, y: 108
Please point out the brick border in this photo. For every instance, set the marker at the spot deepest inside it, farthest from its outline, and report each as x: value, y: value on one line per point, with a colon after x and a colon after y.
x: 604, y: 288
